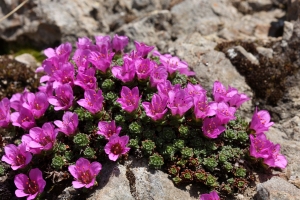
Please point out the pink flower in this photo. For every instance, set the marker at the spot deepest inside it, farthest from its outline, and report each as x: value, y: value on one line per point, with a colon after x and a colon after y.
x: 236, y: 99
x: 179, y: 102
x: 219, y: 92
x: 18, y: 99
x: 125, y: 73
x: 63, y: 98
x: 86, y: 79
x: 129, y: 99
x: 16, y: 156
x: 108, y: 129
x: 165, y: 87
x: 24, y: 119
x: 37, y: 103
x: 158, y: 75
x: 92, y: 101
x: 119, y: 42
x: 172, y: 64
x: 101, y: 61
x: 157, y: 108
x: 259, y: 146
x: 4, y: 112
x: 103, y: 43
x: 62, y: 52
x: 84, y: 173
x: 30, y: 187
x: 195, y: 90
x: 261, y: 121
x: 143, y: 68
x: 202, y: 108
x: 40, y: 139
x: 142, y: 49
x: 84, y: 43
x: 212, y: 127
x: 116, y: 146
x: 64, y: 75
x: 211, y: 196
x: 224, y: 112
x: 80, y: 57
x: 69, y: 124
x: 275, y: 159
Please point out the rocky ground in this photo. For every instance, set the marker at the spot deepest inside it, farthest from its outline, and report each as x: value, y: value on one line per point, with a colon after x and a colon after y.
x: 252, y: 45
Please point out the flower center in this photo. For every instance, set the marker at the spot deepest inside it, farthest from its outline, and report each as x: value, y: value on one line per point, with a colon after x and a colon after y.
x: 86, y: 177
x: 31, y: 187
x: 45, y: 140
x: 116, y: 149
x: 20, y: 160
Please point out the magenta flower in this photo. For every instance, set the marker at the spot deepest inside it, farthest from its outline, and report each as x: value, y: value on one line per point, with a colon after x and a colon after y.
x: 64, y: 75
x: 92, y: 101
x: 80, y: 57
x: 86, y: 79
x: 172, y: 64
x: 116, y: 146
x: 224, y: 112
x: 84, y: 173
x: 275, y: 159
x: 24, y: 118
x: 49, y: 66
x: 158, y: 75
x: 125, y: 73
x: 195, y: 90
x: 63, y: 98
x: 211, y: 196
x: 261, y: 121
x: 69, y: 123
x: 84, y: 43
x: 143, y: 68
x: 260, y: 145
x: 40, y: 139
x: 108, y: 129
x: 129, y: 99
x: 101, y: 61
x: 119, y: 42
x: 62, y: 52
x: 179, y: 102
x: 4, y: 112
x: 47, y: 88
x: 142, y: 49
x: 212, y: 127
x: 219, y: 92
x: 37, y: 103
x: 18, y: 99
x: 236, y: 99
x: 103, y: 43
x: 165, y: 87
x: 30, y: 187
x: 16, y: 156
x: 157, y: 108
x: 202, y: 108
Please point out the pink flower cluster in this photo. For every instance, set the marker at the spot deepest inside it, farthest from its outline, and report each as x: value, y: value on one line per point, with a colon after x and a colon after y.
x: 136, y: 64
x: 260, y: 146
x: 214, y: 114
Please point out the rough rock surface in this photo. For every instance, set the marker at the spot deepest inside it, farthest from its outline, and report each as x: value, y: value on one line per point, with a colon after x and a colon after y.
x: 190, y: 29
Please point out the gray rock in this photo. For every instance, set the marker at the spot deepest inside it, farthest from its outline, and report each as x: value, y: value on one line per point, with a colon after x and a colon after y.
x: 135, y: 181
x: 155, y: 28
x: 288, y: 30
x: 277, y: 189
x: 28, y: 60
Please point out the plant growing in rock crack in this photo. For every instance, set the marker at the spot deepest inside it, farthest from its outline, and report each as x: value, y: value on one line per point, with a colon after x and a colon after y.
x: 103, y: 103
